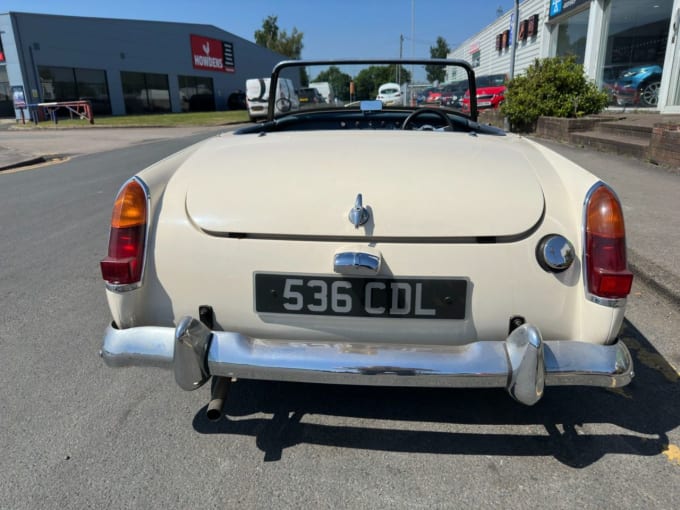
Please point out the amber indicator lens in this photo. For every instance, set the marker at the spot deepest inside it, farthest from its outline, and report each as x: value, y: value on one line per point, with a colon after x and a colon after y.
x: 129, y: 209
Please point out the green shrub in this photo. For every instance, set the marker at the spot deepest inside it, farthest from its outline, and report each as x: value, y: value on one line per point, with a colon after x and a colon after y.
x: 554, y: 87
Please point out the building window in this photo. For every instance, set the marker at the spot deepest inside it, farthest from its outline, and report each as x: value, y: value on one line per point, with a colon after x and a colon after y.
x: 196, y: 94
x: 58, y: 83
x: 571, y: 36
x: 145, y: 92
x: 635, y: 50
x: 91, y: 86
x: 69, y: 84
x: 6, y: 106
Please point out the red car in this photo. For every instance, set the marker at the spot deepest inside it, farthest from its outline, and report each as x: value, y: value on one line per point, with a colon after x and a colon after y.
x: 490, y: 92
x: 434, y: 96
x: 450, y: 94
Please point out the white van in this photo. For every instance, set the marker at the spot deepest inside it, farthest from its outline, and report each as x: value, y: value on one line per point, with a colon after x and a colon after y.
x: 325, y: 89
x: 257, y: 97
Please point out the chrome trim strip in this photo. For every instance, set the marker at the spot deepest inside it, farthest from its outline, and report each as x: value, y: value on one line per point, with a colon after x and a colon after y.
x: 127, y: 287
x: 517, y: 364
x: 611, y: 303
x: 132, y: 286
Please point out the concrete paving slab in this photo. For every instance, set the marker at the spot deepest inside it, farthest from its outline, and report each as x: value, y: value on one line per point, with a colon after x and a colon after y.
x: 18, y: 145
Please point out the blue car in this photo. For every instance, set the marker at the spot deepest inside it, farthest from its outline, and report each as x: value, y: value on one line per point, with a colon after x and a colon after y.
x: 639, y: 86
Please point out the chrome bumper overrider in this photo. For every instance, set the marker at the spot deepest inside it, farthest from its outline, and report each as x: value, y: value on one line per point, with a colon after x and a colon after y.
x: 523, y: 363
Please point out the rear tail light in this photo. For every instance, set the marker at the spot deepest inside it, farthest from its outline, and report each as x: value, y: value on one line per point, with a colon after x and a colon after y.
x: 125, y: 260
x: 607, y: 272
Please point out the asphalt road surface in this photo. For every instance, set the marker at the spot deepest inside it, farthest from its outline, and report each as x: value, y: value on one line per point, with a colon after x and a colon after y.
x: 76, y: 434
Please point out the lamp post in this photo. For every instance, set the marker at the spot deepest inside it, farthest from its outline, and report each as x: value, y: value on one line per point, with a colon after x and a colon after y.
x: 401, y: 53
x: 515, y: 27
x: 513, y: 53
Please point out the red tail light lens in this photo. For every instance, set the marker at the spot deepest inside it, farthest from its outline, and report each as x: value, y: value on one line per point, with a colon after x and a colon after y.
x: 125, y: 259
x: 606, y: 267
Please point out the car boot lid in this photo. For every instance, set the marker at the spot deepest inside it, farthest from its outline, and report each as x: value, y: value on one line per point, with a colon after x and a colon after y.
x: 483, y: 191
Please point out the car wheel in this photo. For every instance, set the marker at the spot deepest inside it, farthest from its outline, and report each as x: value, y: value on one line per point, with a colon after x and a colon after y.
x: 649, y: 93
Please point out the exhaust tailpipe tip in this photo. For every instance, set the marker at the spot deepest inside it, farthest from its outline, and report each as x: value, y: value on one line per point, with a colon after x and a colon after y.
x: 220, y: 390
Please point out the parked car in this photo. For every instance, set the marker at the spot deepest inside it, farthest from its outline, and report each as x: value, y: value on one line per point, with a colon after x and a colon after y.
x: 456, y: 92
x: 309, y: 96
x: 450, y: 94
x: 639, y: 86
x: 610, y: 75
x: 390, y: 94
x: 423, y: 94
x: 257, y: 97
x: 325, y: 89
x: 368, y: 245
x: 490, y: 92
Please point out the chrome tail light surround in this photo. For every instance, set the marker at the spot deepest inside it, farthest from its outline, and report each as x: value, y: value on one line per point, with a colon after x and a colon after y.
x: 617, y: 264
x: 124, y: 287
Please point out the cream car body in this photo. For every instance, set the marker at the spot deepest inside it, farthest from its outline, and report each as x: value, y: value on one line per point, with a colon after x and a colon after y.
x: 459, y: 206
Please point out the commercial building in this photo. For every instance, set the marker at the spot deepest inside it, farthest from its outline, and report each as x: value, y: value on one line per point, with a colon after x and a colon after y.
x: 628, y: 47
x: 123, y: 66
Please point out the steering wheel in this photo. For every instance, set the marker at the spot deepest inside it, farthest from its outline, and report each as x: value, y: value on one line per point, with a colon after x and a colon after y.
x: 423, y: 111
x: 284, y: 104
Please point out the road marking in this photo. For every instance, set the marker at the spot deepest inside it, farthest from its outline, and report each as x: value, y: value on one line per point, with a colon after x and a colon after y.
x: 672, y: 452
x: 621, y: 392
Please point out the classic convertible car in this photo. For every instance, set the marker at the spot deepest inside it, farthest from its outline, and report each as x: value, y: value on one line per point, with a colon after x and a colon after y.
x: 358, y: 243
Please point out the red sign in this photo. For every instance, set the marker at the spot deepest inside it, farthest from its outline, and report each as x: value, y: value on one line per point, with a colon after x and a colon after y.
x: 212, y: 54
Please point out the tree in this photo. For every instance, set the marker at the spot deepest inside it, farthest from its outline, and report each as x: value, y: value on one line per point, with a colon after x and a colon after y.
x: 270, y: 36
x: 338, y: 81
x: 369, y: 80
x: 439, y: 50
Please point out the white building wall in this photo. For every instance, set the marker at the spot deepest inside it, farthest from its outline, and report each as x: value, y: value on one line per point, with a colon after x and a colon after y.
x: 542, y: 45
x: 496, y: 62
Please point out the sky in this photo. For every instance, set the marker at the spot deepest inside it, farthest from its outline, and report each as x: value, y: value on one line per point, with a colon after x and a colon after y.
x: 332, y: 29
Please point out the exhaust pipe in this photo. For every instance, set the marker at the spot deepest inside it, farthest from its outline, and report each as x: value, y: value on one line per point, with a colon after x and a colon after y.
x: 220, y: 389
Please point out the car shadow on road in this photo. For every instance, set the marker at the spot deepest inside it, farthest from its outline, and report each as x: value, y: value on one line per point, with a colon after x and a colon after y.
x: 575, y: 425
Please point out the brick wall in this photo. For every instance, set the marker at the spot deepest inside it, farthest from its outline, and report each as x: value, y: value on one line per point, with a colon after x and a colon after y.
x: 664, y: 148
x: 558, y: 128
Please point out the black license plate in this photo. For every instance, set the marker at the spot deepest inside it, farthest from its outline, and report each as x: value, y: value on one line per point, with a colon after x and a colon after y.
x: 413, y: 298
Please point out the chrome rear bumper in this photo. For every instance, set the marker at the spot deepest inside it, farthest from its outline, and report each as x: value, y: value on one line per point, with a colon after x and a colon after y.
x: 523, y: 363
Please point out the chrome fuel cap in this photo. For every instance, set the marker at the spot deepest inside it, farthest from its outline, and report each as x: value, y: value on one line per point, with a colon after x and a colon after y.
x: 555, y: 253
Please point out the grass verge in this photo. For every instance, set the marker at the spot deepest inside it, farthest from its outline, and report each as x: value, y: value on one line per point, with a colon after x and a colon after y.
x: 153, y: 120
